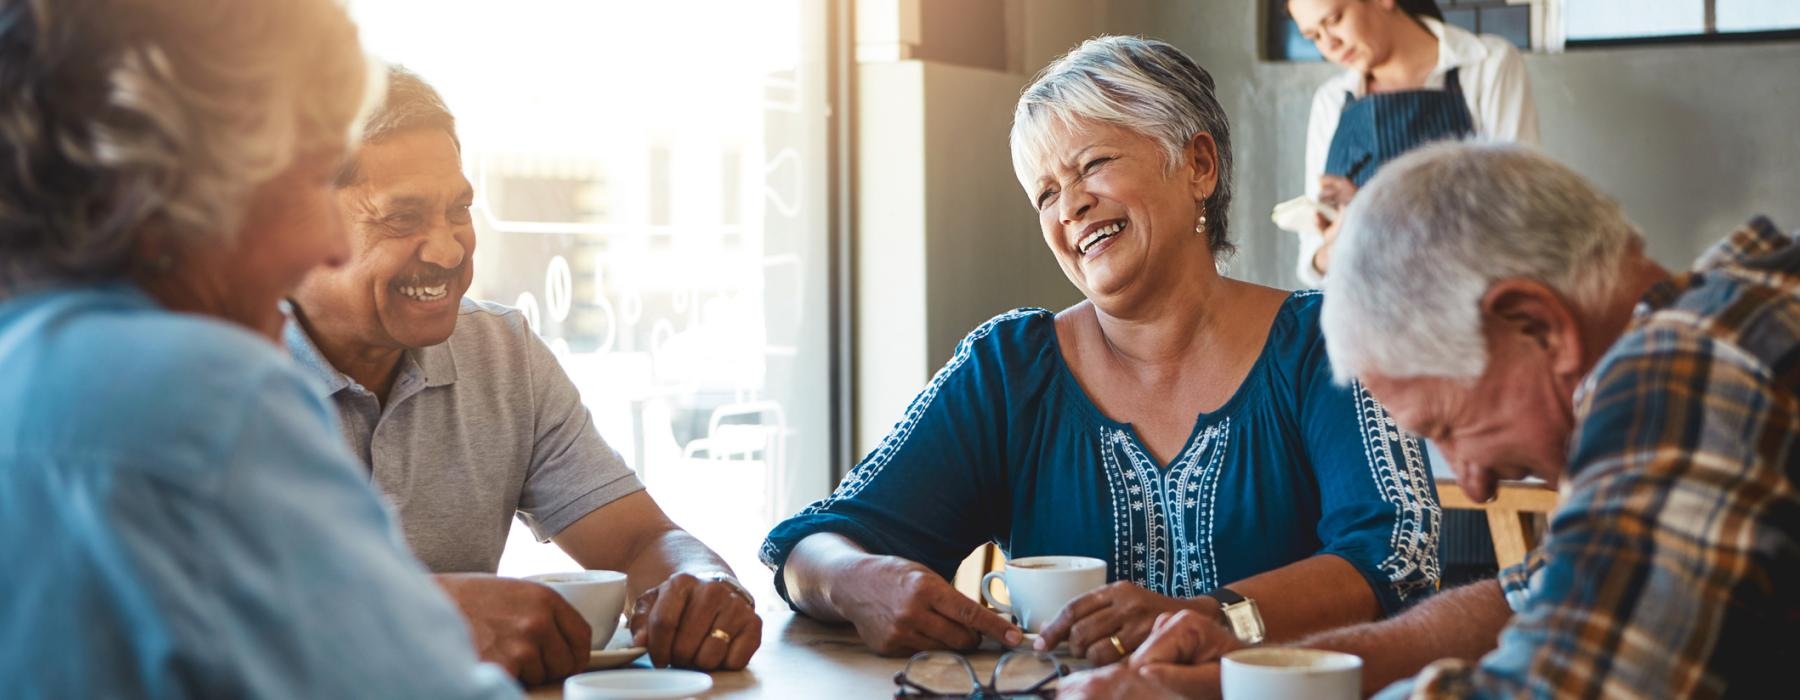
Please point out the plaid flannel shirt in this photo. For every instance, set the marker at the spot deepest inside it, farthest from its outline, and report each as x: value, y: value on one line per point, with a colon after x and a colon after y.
x: 1672, y: 564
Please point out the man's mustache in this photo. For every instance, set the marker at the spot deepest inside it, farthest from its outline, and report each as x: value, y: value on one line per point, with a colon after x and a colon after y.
x: 428, y: 275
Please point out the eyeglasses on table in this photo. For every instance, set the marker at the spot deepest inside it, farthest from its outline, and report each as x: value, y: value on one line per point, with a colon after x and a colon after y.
x: 947, y: 675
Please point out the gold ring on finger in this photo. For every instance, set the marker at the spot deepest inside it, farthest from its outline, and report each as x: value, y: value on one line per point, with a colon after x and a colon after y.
x: 720, y: 635
x: 1118, y: 646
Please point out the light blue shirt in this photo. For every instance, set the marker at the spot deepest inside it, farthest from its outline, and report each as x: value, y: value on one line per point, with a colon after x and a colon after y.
x: 179, y: 517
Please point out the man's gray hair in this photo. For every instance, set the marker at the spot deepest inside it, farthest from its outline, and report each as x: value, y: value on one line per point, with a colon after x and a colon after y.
x: 1140, y: 84
x: 410, y: 103
x: 1431, y: 234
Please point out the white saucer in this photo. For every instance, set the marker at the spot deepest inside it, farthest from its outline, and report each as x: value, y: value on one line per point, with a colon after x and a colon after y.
x: 636, y: 684
x: 618, y: 652
x: 601, y: 659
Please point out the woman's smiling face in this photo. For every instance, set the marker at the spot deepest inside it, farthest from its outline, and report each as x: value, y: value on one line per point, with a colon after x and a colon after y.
x: 1112, y: 210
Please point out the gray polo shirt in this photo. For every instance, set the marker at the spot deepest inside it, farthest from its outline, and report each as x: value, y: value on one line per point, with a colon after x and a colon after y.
x: 477, y: 429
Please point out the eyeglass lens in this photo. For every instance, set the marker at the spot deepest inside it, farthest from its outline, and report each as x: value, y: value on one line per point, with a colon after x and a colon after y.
x: 1023, y: 671
x: 942, y: 673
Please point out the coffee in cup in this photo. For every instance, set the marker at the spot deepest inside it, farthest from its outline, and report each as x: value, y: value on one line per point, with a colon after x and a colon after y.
x: 1040, y: 587
x: 598, y: 595
x: 1269, y: 673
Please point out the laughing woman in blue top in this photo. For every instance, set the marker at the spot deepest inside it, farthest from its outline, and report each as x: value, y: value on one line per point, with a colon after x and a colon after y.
x: 1178, y: 424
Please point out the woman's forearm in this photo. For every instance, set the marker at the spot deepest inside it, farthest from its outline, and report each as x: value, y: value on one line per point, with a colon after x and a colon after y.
x: 1314, y: 594
x: 816, y: 564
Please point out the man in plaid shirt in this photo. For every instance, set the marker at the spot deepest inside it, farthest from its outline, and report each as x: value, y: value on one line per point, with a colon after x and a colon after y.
x: 1499, y: 305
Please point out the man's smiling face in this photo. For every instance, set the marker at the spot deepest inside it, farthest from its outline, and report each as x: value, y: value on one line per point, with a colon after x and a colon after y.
x: 412, y: 244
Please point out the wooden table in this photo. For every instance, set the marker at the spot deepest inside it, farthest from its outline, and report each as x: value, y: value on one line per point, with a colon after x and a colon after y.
x: 802, y: 658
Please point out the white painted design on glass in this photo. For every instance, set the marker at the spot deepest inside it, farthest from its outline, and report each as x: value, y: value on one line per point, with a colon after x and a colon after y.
x: 559, y: 285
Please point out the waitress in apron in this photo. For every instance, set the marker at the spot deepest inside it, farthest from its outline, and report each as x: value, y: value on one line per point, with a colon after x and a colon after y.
x: 1411, y: 79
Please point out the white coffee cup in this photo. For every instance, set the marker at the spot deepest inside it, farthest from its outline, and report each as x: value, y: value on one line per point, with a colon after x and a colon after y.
x: 1274, y: 673
x: 598, y: 595
x: 1039, y: 587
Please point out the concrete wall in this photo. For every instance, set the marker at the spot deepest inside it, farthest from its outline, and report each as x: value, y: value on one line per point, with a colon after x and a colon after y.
x: 1690, y: 139
x: 889, y: 325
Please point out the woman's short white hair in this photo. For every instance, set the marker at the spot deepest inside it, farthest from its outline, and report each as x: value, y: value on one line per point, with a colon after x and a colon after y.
x: 1431, y: 234
x: 126, y: 117
x: 1140, y: 84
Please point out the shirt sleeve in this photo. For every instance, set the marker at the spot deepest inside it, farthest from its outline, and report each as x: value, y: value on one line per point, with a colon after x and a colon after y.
x: 1508, y: 110
x: 573, y: 470
x: 1671, y: 533
x: 288, y: 577
x: 1378, y: 502
x: 1321, y: 127
x: 1515, y: 580
x: 934, y: 488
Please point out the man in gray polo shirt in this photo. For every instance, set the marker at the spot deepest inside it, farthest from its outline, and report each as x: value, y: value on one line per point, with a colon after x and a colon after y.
x: 466, y: 420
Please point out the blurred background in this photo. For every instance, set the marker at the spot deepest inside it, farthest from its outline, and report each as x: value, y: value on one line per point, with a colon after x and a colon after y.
x: 751, y: 230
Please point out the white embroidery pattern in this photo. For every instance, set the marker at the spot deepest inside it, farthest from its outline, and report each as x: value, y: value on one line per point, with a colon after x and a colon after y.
x: 1164, y: 519
x: 871, y: 465
x: 1404, y: 480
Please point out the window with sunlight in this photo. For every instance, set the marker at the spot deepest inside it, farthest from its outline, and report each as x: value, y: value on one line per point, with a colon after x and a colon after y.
x: 650, y: 189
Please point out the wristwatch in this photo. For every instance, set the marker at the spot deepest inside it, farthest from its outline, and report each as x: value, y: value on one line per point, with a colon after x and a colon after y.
x: 1240, y: 615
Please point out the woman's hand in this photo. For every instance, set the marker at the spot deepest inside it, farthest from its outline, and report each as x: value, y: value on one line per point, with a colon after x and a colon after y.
x: 1321, y: 260
x: 1335, y: 191
x: 1118, y: 682
x: 1122, y: 610
x: 1179, y: 660
x: 900, y: 608
x: 1182, y: 654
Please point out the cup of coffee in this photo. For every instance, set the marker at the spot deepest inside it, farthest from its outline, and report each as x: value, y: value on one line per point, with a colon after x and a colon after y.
x: 1279, y: 672
x: 1039, y: 587
x: 598, y: 595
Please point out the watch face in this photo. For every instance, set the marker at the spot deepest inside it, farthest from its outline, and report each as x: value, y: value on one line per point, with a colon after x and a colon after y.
x: 1246, y: 621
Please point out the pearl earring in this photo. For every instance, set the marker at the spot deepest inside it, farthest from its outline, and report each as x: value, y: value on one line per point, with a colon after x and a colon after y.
x: 1200, y: 227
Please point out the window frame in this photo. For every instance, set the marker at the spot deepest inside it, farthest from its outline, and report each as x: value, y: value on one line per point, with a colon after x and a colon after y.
x: 1274, y: 38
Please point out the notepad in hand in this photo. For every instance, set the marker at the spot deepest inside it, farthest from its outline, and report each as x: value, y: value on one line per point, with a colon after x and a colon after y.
x: 1297, y: 214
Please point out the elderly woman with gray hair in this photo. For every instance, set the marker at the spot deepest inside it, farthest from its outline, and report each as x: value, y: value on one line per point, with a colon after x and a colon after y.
x: 1179, y: 425
x: 178, y: 516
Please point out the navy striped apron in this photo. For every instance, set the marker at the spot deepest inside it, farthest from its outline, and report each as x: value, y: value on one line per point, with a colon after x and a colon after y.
x: 1377, y: 128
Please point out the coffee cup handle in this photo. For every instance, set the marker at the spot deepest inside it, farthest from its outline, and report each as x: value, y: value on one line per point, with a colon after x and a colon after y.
x: 987, y: 583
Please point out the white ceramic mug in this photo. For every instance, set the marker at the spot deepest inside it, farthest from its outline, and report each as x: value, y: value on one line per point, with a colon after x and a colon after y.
x: 1274, y: 673
x: 598, y: 595
x: 1039, y: 587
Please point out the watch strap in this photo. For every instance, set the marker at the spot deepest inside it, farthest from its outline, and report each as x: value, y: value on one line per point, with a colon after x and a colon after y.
x: 1225, y: 596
